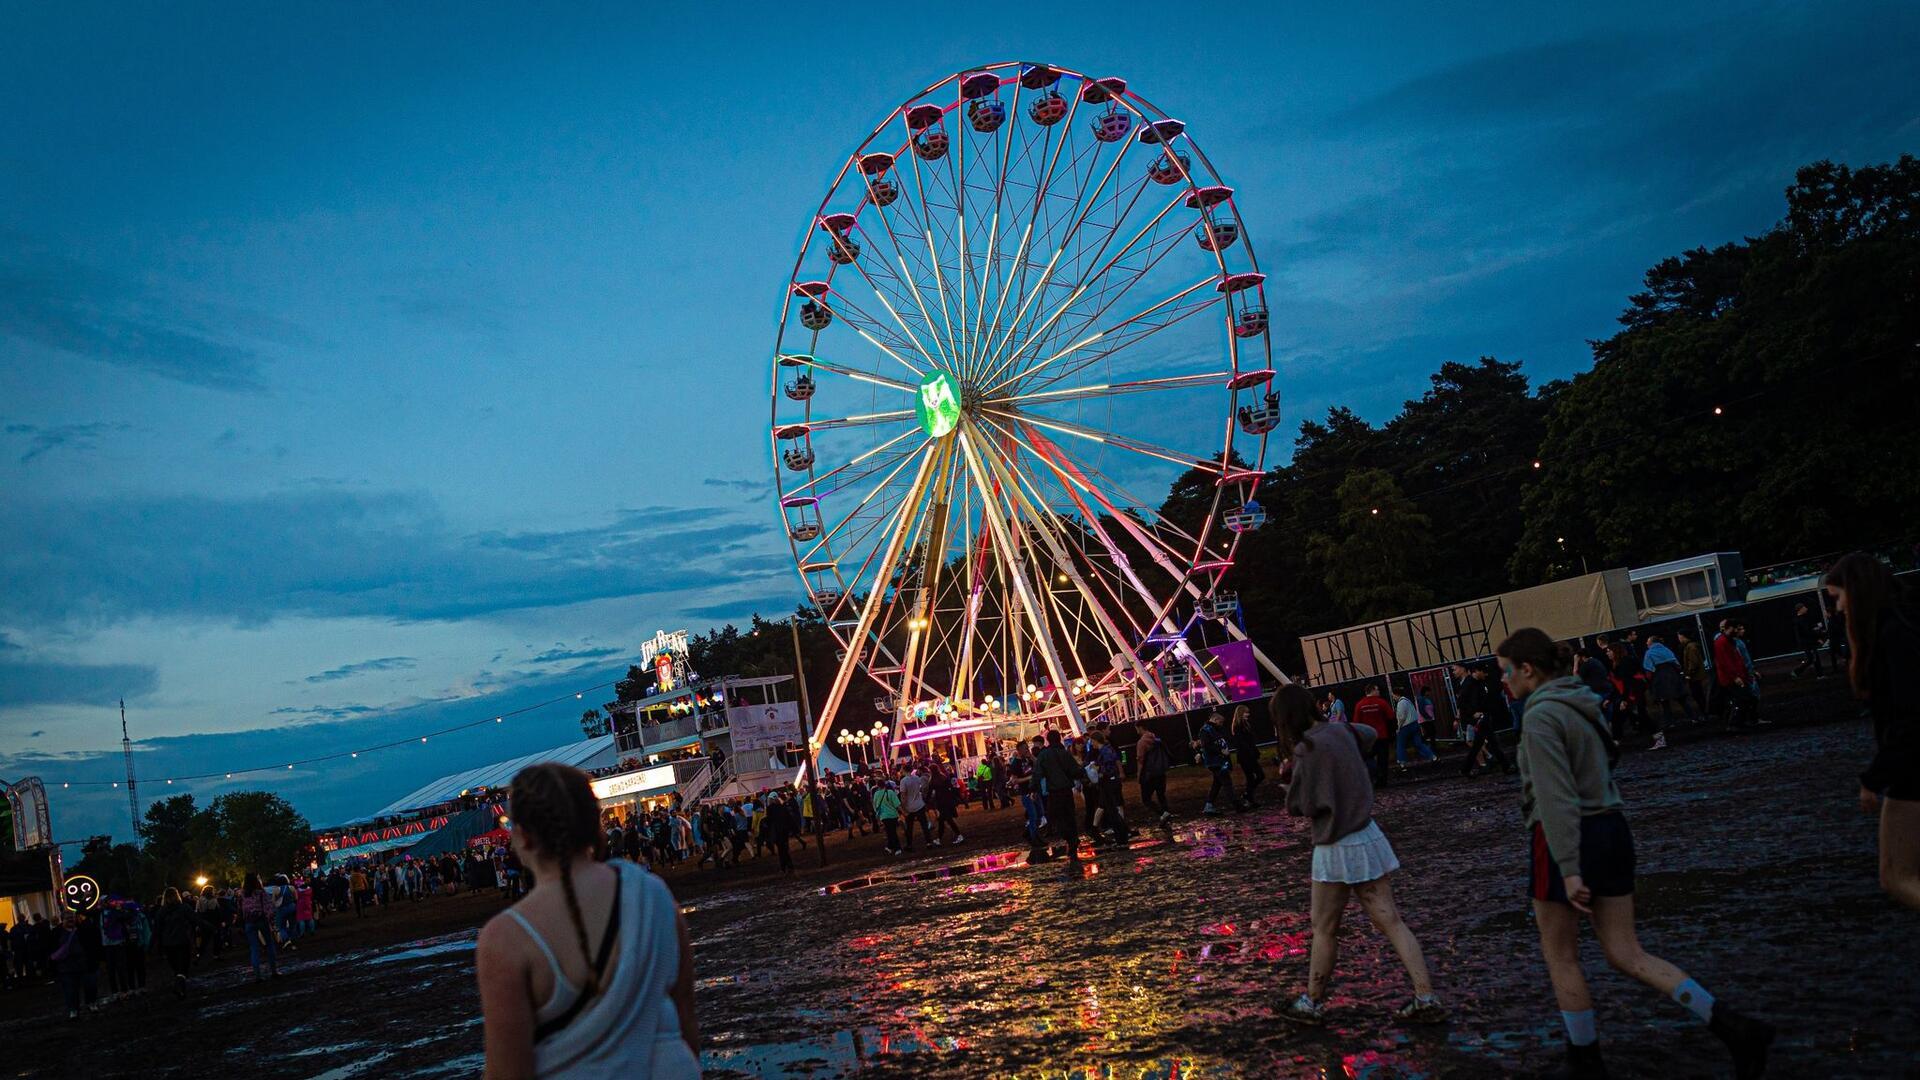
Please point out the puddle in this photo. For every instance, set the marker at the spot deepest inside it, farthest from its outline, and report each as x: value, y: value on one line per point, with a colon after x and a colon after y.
x: 465, y: 944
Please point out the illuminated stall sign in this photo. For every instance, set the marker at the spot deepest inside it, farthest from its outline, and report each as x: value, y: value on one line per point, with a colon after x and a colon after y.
x: 668, y: 655
x: 633, y: 783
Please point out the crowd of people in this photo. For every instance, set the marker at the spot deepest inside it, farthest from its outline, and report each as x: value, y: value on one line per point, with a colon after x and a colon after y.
x: 101, y: 956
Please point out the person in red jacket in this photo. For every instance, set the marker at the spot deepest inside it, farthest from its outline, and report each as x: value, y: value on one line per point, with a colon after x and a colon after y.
x: 1732, y: 678
x: 1376, y: 712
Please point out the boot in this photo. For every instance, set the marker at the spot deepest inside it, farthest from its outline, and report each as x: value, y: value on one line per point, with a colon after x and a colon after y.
x: 1747, y: 1039
x: 1584, y: 1063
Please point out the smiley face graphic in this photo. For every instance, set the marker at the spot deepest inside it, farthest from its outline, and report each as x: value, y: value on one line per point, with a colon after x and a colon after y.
x: 80, y: 893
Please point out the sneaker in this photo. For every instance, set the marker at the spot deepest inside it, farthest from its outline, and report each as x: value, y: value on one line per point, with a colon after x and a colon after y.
x: 1305, y: 1010
x: 955, y: 842
x: 73, y: 1014
x: 1210, y: 810
x: 1659, y: 742
x: 933, y: 843
x: 1421, y: 1010
x: 1166, y: 815
x: 1747, y: 1038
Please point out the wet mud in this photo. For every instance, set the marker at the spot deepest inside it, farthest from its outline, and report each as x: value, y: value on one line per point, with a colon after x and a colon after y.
x: 1169, y: 958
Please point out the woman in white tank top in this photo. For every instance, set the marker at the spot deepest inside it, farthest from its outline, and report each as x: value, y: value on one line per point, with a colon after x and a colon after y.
x: 591, y: 974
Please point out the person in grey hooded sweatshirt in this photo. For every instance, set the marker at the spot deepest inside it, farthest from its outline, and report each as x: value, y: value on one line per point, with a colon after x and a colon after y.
x: 1582, y: 856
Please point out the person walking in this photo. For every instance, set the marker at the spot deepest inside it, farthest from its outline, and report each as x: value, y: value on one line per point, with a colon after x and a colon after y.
x: 174, y: 928
x: 1153, y: 761
x: 1479, y: 704
x: 1406, y: 715
x: 257, y: 909
x: 1582, y: 857
x: 1693, y: 665
x: 1212, y: 741
x: 1058, y: 775
x: 1351, y: 856
x: 886, y: 807
x: 1883, y: 657
x: 1246, y: 751
x: 1666, y: 685
x: 1809, y: 633
x: 590, y: 976
x: 913, y: 807
x: 1113, y: 802
x: 946, y: 808
x: 1732, y: 678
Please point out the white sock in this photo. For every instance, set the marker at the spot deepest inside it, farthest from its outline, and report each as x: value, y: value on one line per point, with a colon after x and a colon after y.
x: 1695, y: 998
x: 1581, y: 1030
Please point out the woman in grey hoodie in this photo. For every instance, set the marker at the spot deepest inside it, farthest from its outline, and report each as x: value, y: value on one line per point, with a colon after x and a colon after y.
x: 1351, y: 855
x: 1582, y: 856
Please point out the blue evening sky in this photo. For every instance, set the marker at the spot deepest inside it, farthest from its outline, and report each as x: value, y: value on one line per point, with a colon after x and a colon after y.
x: 367, y: 368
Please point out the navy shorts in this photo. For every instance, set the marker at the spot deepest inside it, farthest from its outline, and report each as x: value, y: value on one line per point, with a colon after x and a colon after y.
x: 1606, y: 860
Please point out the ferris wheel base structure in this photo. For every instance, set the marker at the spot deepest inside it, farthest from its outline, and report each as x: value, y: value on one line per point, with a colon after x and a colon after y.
x: 1026, y: 294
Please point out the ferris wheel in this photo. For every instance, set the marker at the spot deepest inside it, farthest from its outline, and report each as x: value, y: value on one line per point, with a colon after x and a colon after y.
x: 1026, y: 304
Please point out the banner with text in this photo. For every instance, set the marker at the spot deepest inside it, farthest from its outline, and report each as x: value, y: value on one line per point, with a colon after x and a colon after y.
x: 764, y: 727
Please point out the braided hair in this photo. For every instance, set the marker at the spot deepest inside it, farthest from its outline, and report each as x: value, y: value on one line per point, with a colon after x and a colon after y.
x: 555, y: 804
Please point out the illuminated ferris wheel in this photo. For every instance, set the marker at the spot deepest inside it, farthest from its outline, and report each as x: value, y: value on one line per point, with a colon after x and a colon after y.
x: 1026, y: 296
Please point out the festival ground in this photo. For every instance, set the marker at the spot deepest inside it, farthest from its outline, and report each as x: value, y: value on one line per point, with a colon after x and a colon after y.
x: 1757, y: 876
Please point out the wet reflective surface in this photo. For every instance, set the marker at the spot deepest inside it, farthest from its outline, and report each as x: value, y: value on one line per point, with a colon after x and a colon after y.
x: 1169, y: 957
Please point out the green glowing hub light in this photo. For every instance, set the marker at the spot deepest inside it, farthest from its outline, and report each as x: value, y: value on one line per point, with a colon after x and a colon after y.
x: 938, y: 404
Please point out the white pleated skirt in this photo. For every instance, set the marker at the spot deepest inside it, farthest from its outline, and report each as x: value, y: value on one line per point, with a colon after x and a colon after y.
x: 1356, y: 858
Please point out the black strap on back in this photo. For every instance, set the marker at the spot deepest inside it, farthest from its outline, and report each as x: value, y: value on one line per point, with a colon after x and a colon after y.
x: 544, y: 1031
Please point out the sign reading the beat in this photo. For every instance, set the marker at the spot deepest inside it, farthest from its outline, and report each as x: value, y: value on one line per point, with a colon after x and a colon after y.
x: 938, y: 404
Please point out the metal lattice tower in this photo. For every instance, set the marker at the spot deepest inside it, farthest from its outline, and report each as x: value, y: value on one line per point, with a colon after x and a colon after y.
x: 126, y: 750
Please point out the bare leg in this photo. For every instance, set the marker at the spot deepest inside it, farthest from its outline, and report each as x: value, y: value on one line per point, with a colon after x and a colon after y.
x: 1376, y: 899
x: 1329, y: 898
x: 1560, y: 947
x: 1613, y: 924
x: 1900, y: 850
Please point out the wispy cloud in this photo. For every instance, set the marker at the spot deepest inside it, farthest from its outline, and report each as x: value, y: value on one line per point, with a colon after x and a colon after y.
x: 61, y: 305
x: 555, y: 655
x: 78, y: 437
x: 333, y: 552
x: 348, y: 671
x: 30, y: 682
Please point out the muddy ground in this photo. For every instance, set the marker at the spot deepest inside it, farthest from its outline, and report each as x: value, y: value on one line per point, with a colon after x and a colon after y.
x: 1166, y: 960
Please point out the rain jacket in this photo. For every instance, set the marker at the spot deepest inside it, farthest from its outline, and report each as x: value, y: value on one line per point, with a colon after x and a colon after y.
x: 1565, y: 771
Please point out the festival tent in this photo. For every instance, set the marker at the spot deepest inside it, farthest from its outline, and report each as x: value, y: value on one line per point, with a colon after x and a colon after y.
x: 454, y: 835
x: 588, y: 754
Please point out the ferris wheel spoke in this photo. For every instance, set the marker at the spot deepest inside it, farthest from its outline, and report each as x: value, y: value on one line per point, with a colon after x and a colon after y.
x: 1112, y: 294
x: 1046, y: 275
x: 1116, y: 339
x: 1105, y: 390
x: 1108, y: 438
x: 1052, y: 529
x: 817, y: 479
x: 1014, y: 568
x: 993, y: 265
x: 822, y: 545
x: 1079, y: 289
x: 945, y: 349
x: 1096, y: 336
x: 933, y: 355
x: 861, y: 420
x: 1051, y: 150
x: 807, y: 360
x: 868, y: 328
